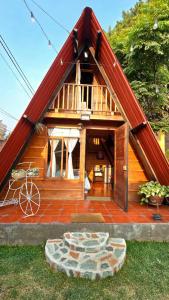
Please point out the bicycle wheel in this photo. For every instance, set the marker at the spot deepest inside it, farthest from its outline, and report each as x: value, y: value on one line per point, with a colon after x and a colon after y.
x: 29, y: 198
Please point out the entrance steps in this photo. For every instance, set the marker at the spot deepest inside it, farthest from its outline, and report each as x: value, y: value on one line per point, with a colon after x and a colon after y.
x: 86, y: 254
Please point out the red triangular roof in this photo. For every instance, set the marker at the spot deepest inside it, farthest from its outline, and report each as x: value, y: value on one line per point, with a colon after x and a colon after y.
x: 88, y: 28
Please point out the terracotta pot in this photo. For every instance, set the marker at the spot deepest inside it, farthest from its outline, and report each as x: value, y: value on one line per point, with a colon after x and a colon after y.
x: 156, y: 200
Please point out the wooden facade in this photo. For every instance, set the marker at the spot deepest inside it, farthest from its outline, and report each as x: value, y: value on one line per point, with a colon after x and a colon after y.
x: 103, y: 143
x: 92, y: 124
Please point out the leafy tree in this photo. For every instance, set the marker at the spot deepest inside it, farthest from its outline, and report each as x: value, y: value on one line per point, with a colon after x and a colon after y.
x: 3, y: 129
x: 141, y: 43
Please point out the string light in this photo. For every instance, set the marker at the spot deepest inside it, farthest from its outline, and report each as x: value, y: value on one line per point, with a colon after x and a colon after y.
x: 155, y: 26
x: 157, y: 89
x: 32, y: 17
x: 52, y: 18
x: 131, y: 48
x: 39, y: 24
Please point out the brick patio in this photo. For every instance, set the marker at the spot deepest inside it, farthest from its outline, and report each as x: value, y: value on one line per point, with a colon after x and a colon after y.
x: 61, y: 211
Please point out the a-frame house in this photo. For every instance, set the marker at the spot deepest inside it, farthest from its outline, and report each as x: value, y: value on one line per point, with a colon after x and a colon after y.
x: 96, y: 140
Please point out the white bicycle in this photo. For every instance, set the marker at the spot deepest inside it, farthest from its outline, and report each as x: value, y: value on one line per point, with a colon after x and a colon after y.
x: 22, y: 190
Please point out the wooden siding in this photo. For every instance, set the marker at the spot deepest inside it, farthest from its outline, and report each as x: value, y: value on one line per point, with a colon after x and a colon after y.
x: 65, y: 189
x: 136, y: 174
x: 54, y: 189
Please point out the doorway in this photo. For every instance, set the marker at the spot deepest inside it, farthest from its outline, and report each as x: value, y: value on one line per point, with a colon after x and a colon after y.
x: 87, y: 81
x: 107, y: 165
x: 99, y: 165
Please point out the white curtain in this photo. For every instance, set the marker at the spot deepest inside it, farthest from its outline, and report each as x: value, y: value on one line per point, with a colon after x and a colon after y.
x: 48, y: 170
x: 78, y: 88
x: 70, y: 145
x: 55, y: 144
x: 53, y: 158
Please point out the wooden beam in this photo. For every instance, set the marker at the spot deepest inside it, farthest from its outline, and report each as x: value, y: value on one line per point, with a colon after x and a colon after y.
x: 58, y: 88
x: 28, y: 119
x: 98, y: 43
x: 109, y: 155
x: 75, y: 42
x: 109, y: 86
x: 138, y: 127
x: 142, y: 157
x: 73, y: 115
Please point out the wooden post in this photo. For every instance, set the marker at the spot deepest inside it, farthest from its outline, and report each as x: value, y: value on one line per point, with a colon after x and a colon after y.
x: 106, y: 99
x: 92, y: 98
x: 61, y: 169
x: 97, y: 103
x: 82, y: 96
x: 73, y: 98
x: 58, y: 106
x: 101, y: 98
x: 63, y: 100
x: 87, y: 102
x: 82, y: 155
x: 68, y: 93
x: 110, y: 103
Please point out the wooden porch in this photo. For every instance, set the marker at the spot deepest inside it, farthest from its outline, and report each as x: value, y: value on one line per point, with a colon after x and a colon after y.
x: 89, y: 99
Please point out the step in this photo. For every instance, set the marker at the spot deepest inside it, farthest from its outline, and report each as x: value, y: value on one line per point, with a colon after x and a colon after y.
x: 86, y: 241
x: 93, y: 265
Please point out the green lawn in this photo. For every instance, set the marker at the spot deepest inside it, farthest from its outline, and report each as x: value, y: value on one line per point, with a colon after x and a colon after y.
x: 24, y: 274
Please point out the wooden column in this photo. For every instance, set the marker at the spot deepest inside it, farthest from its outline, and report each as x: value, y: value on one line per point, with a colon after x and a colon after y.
x: 82, y: 155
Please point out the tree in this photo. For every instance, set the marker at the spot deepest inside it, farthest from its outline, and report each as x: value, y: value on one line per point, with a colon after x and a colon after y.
x: 3, y: 130
x: 141, y: 43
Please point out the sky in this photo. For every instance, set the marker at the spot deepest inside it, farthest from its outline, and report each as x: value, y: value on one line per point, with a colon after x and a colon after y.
x: 30, y: 48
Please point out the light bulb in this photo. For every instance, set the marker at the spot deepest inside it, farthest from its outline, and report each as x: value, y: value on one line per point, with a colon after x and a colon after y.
x: 86, y: 55
x: 32, y: 17
x: 131, y: 48
x: 157, y: 89
x: 155, y: 26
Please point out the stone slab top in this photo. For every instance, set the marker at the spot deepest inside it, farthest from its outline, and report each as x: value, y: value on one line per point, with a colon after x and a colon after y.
x: 86, y: 241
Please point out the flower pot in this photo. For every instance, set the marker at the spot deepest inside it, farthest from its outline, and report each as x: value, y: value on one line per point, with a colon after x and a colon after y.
x: 155, y: 200
x: 166, y: 201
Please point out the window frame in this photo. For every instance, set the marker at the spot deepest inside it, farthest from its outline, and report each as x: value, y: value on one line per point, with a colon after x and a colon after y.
x: 61, y: 177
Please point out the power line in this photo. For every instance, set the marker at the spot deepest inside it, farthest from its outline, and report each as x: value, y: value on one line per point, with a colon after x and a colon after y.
x: 43, y: 31
x: 28, y: 82
x: 52, y: 18
x: 4, y: 112
x: 15, y: 63
x: 14, y: 74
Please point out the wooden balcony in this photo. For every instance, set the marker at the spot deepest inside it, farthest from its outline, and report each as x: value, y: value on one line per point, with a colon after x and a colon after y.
x: 79, y: 98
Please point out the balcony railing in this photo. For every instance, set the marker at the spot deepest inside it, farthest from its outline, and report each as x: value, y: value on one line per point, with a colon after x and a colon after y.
x: 84, y: 97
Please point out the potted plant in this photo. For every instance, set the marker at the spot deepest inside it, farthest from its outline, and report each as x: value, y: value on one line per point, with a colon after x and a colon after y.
x: 167, y: 195
x: 153, y: 193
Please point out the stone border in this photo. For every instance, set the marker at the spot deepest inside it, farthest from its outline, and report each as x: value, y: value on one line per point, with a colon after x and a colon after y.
x: 34, y: 234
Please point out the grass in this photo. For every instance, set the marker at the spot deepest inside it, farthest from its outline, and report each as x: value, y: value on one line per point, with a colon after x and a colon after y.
x: 24, y: 274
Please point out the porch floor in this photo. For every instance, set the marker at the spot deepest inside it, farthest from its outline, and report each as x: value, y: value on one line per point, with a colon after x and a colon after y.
x: 60, y: 212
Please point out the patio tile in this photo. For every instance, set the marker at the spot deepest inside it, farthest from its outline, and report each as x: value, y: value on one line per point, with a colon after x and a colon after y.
x: 61, y: 210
